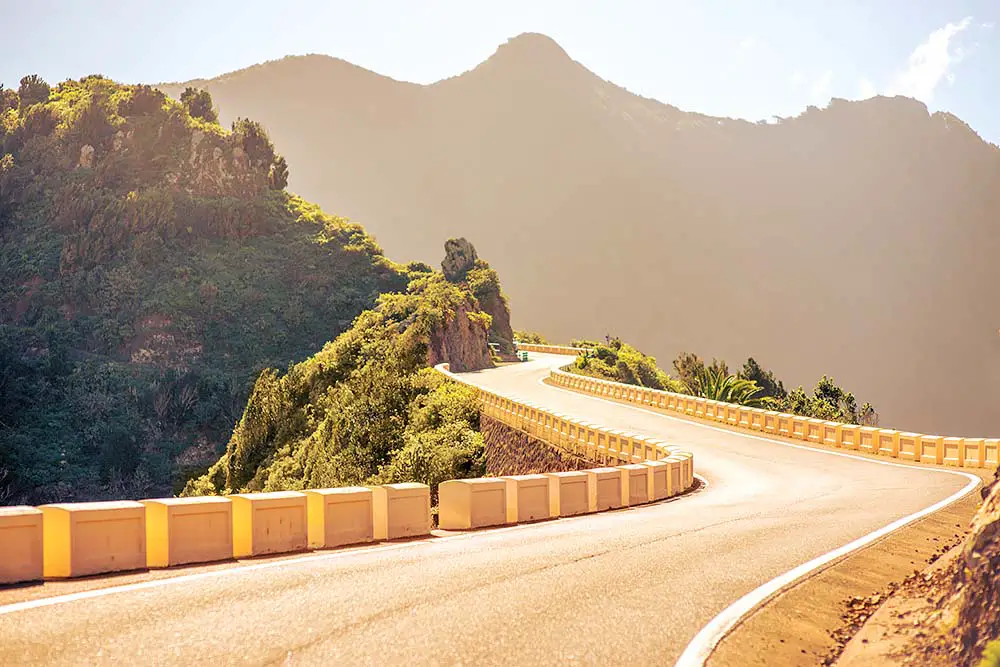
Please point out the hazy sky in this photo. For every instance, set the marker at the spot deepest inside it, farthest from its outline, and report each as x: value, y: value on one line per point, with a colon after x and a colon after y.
x: 750, y: 58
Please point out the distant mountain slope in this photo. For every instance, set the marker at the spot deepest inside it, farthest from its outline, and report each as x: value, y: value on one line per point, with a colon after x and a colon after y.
x: 857, y: 240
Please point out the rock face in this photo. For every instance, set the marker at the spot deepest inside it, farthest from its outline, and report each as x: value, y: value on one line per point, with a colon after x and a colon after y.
x: 460, y: 256
x: 976, y: 580
x: 513, y: 452
x: 461, y: 342
x: 493, y: 303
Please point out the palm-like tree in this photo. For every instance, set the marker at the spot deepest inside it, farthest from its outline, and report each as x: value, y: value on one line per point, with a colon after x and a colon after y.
x: 715, y: 384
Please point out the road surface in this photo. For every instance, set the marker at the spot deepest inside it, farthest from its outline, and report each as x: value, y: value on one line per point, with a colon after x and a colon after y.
x: 625, y: 587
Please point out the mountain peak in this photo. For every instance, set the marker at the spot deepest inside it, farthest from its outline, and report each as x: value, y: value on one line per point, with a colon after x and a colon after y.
x: 533, y: 45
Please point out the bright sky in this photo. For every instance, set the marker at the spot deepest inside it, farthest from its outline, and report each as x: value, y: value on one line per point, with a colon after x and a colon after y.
x: 743, y: 58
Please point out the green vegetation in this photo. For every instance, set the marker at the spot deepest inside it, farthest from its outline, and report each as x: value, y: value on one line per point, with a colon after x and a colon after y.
x: 621, y: 362
x: 991, y: 656
x: 530, y: 337
x: 152, y: 265
x: 752, y: 386
x: 365, y: 409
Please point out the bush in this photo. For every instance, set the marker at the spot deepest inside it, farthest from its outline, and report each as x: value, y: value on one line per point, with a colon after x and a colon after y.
x: 199, y: 104
x: 33, y: 90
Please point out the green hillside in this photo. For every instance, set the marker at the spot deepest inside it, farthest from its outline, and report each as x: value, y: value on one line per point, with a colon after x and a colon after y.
x: 152, y: 265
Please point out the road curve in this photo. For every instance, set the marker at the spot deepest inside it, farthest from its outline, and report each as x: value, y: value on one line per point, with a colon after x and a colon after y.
x: 622, y: 587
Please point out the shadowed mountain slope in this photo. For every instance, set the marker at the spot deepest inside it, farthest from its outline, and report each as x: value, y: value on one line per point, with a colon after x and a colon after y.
x: 856, y: 240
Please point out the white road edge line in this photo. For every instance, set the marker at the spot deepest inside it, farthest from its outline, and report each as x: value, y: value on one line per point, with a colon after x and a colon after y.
x: 700, y: 648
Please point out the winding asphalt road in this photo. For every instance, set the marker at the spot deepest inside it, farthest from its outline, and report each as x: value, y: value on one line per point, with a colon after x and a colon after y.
x: 625, y: 587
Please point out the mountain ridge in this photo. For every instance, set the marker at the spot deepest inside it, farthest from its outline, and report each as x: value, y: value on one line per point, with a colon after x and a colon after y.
x: 851, y: 240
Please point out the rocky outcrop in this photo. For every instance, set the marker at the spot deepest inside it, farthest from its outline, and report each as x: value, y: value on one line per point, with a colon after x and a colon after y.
x: 513, y: 452
x: 493, y: 303
x: 460, y: 342
x: 978, y: 588
x: 460, y: 256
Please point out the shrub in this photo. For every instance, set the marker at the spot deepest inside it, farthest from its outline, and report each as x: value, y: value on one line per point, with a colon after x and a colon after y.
x: 199, y: 104
x: 33, y: 90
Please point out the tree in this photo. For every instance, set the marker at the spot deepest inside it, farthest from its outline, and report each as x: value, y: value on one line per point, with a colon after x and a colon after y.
x: 770, y: 385
x: 33, y: 90
x: 199, y: 104
x: 715, y: 384
x: 689, y: 367
x: 256, y: 144
x: 277, y: 177
x: 8, y: 99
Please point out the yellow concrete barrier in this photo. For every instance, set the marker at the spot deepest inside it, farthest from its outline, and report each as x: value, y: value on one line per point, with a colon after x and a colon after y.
x: 931, y: 449
x: 991, y: 449
x: 888, y: 442
x: 814, y: 430
x: 569, y: 493
x: 675, y: 475
x: 831, y: 434
x: 188, y: 530
x: 637, y: 483
x: 269, y: 523
x: 20, y: 544
x: 607, y: 489
x: 800, y: 429
x: 757, y: 419
x: 81, y: 539
x: 867, y: 441
x: 954, y: 454
x: 771, y: 421
x: 527, y: 498
x: 909, y: 446
x: 401, y: 510
x: 472, y: 503
x: 975, y: 450
x: 850, y: 436
x: 341, y: 516
x: 785, y: 425
x: 657, y: 480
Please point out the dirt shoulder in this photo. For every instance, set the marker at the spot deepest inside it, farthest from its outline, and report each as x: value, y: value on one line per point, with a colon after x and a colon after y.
x: 811, y: 623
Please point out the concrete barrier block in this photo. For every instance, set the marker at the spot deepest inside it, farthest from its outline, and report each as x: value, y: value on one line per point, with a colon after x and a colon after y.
x: 20, y: 544
x: 637, y: 478
x: 188, y: 530
x: 954, y: 452
x: 744, y: 417
x: 771, y: 419
x: 785, y: 425
x: 675, y: 475
x: 800, y: 428
x: 909, y: 446
x: 756, y: 419
x: 974, y: 449
x: 472, y: 503
x: 569, y: 493
x: 401, y: 510
x: 699, y: 407
x: 849, y: 436
x: 991, y: 451
x: 814, y: 430
x: 527, y: 498
x: 341, y: 516
x: 269, y: 523
x: 81, y: 539
x: 867, y: 440
x: 888, y: 442
x: 687, y: 469
x: 931, y: 449
x: 732, y: 415
x: 607, y: 488
x: 657, y: 480
x: 831, y: 434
